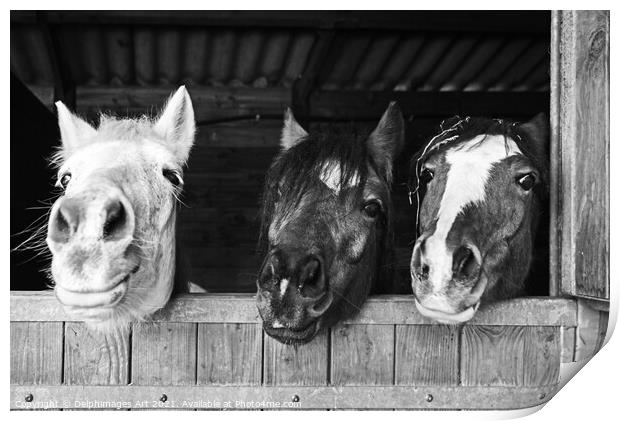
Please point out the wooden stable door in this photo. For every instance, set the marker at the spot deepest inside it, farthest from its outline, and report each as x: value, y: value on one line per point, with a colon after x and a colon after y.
x: 580, y: 155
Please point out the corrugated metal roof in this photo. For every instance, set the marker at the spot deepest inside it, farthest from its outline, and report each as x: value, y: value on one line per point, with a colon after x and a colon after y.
x: 155, y: 55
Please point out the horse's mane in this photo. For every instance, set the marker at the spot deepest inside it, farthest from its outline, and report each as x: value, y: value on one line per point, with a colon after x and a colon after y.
x: 456, y: 130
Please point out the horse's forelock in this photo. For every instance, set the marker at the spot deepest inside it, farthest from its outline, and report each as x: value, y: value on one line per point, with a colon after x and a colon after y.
x: 457, y: 131
x: 111, y: 127
x: 298, y: 171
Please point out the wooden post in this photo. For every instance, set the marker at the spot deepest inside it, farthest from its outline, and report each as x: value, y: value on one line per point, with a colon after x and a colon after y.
x: 580, y: 153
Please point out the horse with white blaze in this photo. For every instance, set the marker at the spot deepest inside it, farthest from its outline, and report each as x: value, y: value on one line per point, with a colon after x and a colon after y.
x: 485, y: 183
x: 112, y: 232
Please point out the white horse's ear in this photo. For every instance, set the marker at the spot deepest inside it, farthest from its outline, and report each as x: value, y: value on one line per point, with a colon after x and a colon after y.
x: 385, y: 142
x: 74, y: 132
x: 176, y: 124
x: 292, y: 132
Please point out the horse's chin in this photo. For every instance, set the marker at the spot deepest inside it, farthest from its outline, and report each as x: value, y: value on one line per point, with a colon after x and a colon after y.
x: 293, y: 337
x: 445, y: 317
x: 95, y: 305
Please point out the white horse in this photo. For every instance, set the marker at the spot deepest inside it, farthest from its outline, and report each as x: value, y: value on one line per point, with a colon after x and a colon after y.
x: 112, y: 232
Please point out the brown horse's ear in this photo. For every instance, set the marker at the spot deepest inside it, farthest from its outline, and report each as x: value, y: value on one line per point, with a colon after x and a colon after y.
x: 74, y: 132
x: 292, y: 132
x: 176, y: 124
x: 537, y: 129
x: 385, y: 142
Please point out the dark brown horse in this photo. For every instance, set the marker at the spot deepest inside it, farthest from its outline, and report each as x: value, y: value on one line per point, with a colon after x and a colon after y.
x: 485, y: 184
x: 327, y: 226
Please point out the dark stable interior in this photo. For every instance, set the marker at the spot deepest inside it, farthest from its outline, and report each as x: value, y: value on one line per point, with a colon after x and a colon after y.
x: 336, y: 68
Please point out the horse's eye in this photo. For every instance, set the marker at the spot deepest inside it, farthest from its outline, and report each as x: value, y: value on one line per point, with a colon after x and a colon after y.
x: 172, y: 176
x: 64, y: 180
x: 527, y: 181
x: 372, y: 209
x: 426, y: 175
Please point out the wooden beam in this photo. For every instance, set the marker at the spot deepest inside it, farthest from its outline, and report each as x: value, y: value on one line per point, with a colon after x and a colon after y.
x: 591, y: 330
x: 580, y: 149
x: 279, y: 397
x: 211, y: 105
x: 241, y: 308
x: 343, y: 105
x: 216, y: 105
x: 521, y: 22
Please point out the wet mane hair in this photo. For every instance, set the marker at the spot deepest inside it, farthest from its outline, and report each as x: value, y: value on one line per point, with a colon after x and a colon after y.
x: 456, y: 130
x: 297, y: 170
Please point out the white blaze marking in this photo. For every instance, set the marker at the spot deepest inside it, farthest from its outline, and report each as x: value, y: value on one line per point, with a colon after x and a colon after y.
x: 277, y: 325
x: 470, y: 165
x: 283, y: 286
x: 330, y: 176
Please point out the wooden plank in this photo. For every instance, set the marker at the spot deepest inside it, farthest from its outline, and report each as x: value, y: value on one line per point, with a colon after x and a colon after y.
x: 345, y: 105
x: 247, y: 133
x: 229, y: 353
x: 492, y: 355
x: 223, y: 308
x: 555, y: 159
x: 427, y: 355
x: 93, y: 358
x: 542, y: 353
x: 603, y: 332
x: 592, y: 155
x: 362, y: 355
x: 210, y: 104
x: 584, y: 150
x: 296, y: 364
x: 382, y: 309
x: 217, y: 105
x: 591, y: 330
x: 568, y: 344
x: 36, y: 353
x: 163, y: 354
x: 454, y: 21
x: 309, y: 397
x: 510, y: 355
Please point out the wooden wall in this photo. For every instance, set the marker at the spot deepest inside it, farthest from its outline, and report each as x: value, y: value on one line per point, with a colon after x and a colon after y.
x: 389, y: 356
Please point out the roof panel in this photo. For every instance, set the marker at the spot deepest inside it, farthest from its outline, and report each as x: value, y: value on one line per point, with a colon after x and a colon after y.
x: 373, y: 61
x: 475, y: 62
x: 125, y: 54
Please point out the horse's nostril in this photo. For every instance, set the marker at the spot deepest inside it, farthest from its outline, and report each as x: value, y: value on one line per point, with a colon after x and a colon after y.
x: 115, y: 223
x: 425, y: 269
x: 311, y: 278
x: 270, y: 272
x: 64, y: 221
x: 464, y: 262
x: 62, y: 224
x: 418, y: 264
x: 310, y: 271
